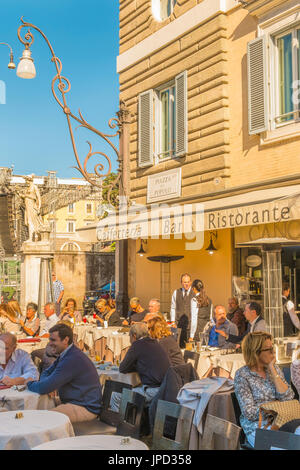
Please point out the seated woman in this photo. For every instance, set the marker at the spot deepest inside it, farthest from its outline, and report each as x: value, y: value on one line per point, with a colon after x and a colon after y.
x: 8, y: 319
x: 259, y: 381
x: 107, y: 314
x: 31, y: 326
x: 158, y: 329
x: 70, y: 313
x: 137, y: 312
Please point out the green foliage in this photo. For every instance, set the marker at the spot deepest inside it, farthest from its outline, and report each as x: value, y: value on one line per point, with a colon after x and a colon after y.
x: 105, y: 190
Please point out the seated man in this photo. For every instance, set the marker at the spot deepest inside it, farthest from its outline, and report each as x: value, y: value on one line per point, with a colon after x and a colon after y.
x: 255, y: 323
x: 73, y: 375
x: 15, y: 364
x: 137, y: 312
x: 219, y: 325
x: 236, y: 315
x: 146, y: 357
x: 52, y: 319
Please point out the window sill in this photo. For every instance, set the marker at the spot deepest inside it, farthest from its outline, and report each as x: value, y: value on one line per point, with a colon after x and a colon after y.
x: 290, y: 131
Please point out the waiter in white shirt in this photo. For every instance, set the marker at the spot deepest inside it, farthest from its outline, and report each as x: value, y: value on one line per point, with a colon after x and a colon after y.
x: 181, y: 307
x: 291, y: 323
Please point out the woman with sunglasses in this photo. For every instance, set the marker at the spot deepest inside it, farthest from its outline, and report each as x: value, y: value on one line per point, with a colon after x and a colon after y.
x: 259, y: 381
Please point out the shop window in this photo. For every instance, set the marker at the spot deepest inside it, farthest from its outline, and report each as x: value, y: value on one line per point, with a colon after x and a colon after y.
x: 162, y: 9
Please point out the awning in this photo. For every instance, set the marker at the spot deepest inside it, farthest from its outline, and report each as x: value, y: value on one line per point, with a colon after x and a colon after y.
x: 162, y: 220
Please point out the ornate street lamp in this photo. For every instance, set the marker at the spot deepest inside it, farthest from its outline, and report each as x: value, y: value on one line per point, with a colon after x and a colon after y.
x: 11, y: 64
x: 26, y: 69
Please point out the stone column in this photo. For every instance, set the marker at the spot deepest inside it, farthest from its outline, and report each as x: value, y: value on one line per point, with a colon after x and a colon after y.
x: 121, y: 254
x: 36, y: 257
x: 273, y: 309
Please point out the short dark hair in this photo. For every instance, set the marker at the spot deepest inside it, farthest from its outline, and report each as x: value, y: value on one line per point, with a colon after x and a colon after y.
x: 255, y: 306
x: 63, y: 331
x: 285, y: 286
x: 33, y: 306
x: 197, y: 284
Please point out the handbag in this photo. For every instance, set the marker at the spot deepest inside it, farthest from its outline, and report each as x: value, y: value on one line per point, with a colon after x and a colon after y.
x: 278, y: 413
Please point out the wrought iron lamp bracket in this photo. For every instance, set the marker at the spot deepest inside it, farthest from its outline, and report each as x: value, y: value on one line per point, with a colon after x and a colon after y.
x: 116, y: 124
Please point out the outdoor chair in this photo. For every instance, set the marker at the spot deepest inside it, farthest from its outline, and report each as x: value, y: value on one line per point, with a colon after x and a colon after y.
x: 218, y: 426
x: 237, y: 411
x: 176, y: 332
x: 107, y: 420
x: 268, y: 440
x: 180, y: 417
x: 192, y: 357
x: 131, y: 414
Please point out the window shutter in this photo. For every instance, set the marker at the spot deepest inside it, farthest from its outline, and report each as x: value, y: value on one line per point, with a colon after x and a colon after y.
x: 181, y: 114
x: 257, y: 86
x: 145, y: 152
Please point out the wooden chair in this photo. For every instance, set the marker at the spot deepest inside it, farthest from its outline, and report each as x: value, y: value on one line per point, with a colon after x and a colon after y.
x: 229, y: 431
x: 192, y: 357
x: 180, y: 415
x: 107, y: 420
x: 131, y: 413
x: 266, y: 439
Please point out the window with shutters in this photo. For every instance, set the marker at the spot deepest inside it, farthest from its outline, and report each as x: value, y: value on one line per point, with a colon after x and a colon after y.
x: 162, y: 122
x: 71, y: 227
x: 275, y: 107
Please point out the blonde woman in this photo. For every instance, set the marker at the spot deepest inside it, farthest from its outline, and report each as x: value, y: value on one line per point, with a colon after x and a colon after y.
x: 107, y: 314
x: 9, y: 319
x: 158, y: 329
x: 259, y: 381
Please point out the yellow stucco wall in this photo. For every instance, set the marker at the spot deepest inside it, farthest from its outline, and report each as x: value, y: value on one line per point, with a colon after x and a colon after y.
x: 215, y: 271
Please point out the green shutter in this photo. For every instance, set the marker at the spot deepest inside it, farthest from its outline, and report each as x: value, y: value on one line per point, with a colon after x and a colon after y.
x: 145, y: 117
x: 181, y: 114
x: 257, y: 86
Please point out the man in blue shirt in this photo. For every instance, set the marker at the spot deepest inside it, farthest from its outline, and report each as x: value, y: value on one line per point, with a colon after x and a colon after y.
x: 16, y: 365
x: 220, y: 324
x: 73, y: 375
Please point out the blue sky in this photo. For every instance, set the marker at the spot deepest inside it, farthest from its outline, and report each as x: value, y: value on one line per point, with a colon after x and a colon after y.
x: 34, y: 136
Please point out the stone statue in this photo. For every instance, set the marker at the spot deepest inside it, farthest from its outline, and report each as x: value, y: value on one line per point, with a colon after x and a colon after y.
x: 32, y: 201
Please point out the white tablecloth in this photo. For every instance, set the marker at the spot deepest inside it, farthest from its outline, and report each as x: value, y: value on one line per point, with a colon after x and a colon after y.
x: 228, y: 362
x: 37, y: 427
x: 100, y: 442
x: 29, y: 347
x: 13, y: 400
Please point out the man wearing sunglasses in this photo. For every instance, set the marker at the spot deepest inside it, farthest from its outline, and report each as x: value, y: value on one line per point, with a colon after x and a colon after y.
x: 255, y: 321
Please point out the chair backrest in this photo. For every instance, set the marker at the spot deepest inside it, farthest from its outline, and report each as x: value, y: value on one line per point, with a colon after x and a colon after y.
x: 107, y: 415
x: 266, y: 440
x: 184, y: 419
x: 192, y: 357
x: 131, y: 412
x: 287, y: 375
x: 176, y: 333
x: 218, y: 426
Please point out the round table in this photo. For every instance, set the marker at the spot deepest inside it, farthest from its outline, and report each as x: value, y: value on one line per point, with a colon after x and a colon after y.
x: 36, y: 427
x: 98, y: 442
x: 225, y: 363
x: 11, y: 400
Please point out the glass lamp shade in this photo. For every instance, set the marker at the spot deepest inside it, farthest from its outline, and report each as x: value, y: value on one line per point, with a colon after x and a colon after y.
x: 26, y: 68
x: 211, y: 247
